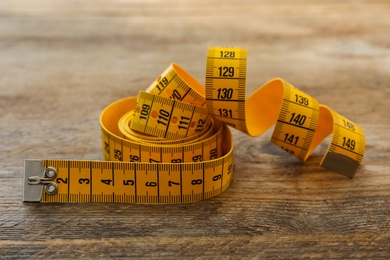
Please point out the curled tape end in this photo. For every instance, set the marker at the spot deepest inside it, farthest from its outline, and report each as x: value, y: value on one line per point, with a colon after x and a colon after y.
x: 340, y: 164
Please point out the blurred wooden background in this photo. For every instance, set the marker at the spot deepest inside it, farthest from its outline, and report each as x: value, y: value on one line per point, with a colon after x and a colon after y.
x: 62, y: 62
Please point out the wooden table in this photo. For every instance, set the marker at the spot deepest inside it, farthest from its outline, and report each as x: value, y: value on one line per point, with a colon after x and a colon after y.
x: 62, y: 62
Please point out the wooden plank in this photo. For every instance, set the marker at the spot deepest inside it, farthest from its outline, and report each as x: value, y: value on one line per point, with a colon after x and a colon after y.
x: 63, y: 62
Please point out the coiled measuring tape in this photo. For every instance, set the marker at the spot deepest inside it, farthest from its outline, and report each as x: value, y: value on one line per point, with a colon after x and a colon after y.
x: 172, y: 144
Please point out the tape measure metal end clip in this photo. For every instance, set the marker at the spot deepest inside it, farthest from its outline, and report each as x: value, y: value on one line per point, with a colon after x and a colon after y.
x: 36, y: 178
x: 341, y: 164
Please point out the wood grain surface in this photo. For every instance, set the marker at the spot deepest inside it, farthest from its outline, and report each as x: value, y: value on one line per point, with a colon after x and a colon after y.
x: 62, y: 62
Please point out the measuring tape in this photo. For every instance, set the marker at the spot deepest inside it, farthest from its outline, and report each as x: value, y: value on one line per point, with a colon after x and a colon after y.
x: 172, y: 144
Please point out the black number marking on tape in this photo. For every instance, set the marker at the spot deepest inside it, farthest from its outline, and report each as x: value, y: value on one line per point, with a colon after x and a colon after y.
x: 225, y: 93
x: 226, y: 72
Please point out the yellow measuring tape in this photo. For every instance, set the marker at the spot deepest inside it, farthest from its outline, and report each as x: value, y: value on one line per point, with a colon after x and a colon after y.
x: 171, y: 144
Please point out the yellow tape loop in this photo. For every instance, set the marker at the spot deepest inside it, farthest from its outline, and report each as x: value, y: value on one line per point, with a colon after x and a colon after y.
x: 300, y: 122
